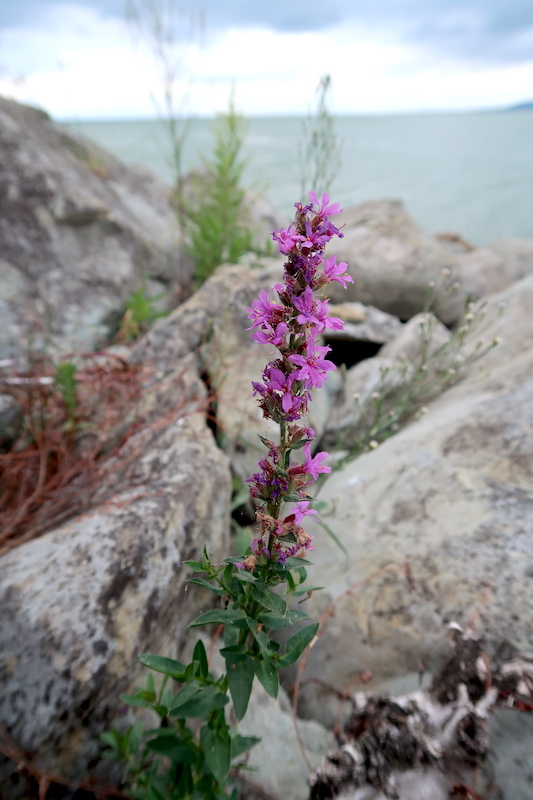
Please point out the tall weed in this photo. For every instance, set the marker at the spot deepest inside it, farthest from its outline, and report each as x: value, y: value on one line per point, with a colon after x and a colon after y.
x: 217, y: 221
x: 320, y: 147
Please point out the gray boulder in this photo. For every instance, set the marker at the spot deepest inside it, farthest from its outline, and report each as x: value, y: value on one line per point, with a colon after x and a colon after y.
x: 451, y: 497
x: 392, y: 261
x: 81, y: 602
x: 79, y: 231
x: 487, y: 270
x: 364, y: 323
x: 380, y: 393
x: 366, y: 395
x: 418, y: 340
x: 273, y: 721
x: 396, y: 265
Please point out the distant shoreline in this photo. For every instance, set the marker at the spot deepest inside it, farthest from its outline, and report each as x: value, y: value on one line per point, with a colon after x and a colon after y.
x: 526, y: 106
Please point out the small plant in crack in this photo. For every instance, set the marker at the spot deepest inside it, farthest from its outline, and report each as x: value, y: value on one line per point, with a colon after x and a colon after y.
x: 404, y: 388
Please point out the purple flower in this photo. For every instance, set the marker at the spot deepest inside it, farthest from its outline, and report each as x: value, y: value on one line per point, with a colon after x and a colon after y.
x: 313, y: 368
x: 337, y: 272
x: 314, y: 238
x: 263, y: 311
x: 313, y: 464
x: 334, y: 324
x: 311, y: 312
x: 302, y: 510
x: 325, y: 210
x: 286, y: 238
x: 283, y: 383
x: 270, y: 335
x: 325, y: 320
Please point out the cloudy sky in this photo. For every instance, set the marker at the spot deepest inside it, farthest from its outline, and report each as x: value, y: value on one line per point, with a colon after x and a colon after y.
x: 82, y: 59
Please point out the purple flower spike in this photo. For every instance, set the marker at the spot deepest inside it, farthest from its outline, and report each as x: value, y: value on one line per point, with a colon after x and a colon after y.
x: 293, y: 325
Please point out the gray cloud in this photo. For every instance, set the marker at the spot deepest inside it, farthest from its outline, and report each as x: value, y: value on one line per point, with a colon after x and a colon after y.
x: 482, y: 30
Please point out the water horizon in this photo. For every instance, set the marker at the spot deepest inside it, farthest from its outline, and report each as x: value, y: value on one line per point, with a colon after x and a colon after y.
x: 466, y: 172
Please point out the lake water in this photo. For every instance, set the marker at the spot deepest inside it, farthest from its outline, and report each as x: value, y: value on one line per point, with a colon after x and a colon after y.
x: 466, y: 172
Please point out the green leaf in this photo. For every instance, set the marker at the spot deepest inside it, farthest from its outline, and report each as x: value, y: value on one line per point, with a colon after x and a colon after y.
x: 240, y: 744
x: 245, y: 577
x: 217, y: 752
x: 218, y: 615
x: 183, y: 696
x: 125, y: 741
x: 150, y: 684
x: 305, y: 590
x: 237, y: 651
x: 190, y: 673
x: 240, y: 680
x: 196, y: 566
x: 168, y: 694
x: 269, y: 600
x: 185, y: 784
x: 135, y: 701
x: 291, y: 582
x: 300, y: 444
x: 169, y: 744
x: 289, y: 538
x: 201, y: 704
x: 231, y: 636
x: 110, y: 738
x: 293, y: 497
x: 155, y: 794
x: 168, y: 666
x: 240, y: 499
x: 242, y: 623
x: 301, y: 572
x: 275, y: 623
x: 335, y: 538
x: 293, y: 562
x: 268, y: 676
x: 206, y: 585
x: 237, y: 590
x: 260, y: 636
x: 200, y: 656
x: 146, y: 695
x: 297, y: 644
x: 227, y: 575
x: 241, y: 540
x: 136, y: 736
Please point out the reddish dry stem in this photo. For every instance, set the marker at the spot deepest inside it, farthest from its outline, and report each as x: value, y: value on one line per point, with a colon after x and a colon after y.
x: 52, y: 470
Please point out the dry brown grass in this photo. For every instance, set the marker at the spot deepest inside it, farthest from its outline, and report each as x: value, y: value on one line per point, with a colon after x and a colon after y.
x: 59, y: 461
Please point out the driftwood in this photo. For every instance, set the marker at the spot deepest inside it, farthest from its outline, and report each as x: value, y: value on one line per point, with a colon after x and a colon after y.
x: 426, y: 745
